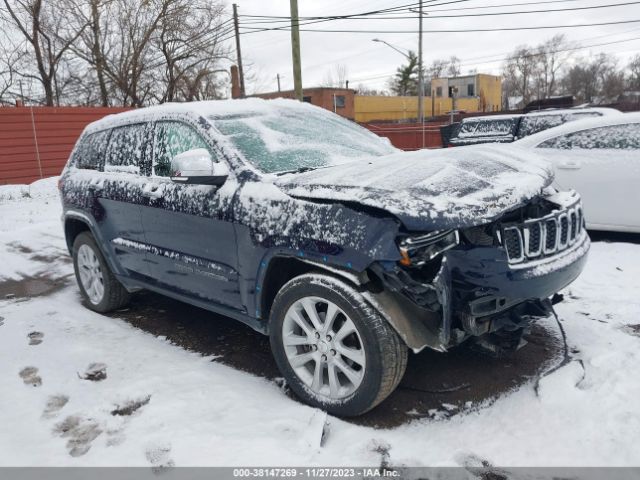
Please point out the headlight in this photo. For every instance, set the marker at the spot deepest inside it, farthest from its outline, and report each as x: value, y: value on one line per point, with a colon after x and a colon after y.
x: 416, y: 251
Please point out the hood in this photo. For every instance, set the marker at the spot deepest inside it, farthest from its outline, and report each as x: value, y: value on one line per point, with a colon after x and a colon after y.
x: 431, y: 189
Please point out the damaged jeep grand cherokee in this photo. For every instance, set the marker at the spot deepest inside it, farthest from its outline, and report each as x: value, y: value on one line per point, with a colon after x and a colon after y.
x: 347, y: 252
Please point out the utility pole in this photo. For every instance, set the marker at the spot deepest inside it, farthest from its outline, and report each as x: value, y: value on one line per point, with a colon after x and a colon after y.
x: 278, y: 77
x: 420, y: 70
x: 239, y: 53
x: 295, y: 49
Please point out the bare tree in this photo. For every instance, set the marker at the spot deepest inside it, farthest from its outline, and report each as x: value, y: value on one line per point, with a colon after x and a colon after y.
x: 189, y: 39
x: 337, y: 78
x: 9, y: 58
x: 552, y: 57
x: 454, y: 68
x: 633, y: 80
x: 519, y: 71
x: 45, y: 30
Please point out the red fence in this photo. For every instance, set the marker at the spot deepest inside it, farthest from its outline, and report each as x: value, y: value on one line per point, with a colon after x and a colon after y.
x: 35, y: 142
x: 409, y: 136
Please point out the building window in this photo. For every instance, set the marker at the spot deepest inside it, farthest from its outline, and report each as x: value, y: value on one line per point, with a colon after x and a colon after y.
x: 339, y: 101
x: 438, y: 91
x: 470, y: 90
x: 306, y: 99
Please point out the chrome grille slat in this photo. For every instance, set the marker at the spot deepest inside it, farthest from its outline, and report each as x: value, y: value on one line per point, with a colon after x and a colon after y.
x: 542, y: 237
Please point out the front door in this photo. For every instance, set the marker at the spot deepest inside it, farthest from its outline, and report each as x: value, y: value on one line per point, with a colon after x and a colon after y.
x: 192, y: 245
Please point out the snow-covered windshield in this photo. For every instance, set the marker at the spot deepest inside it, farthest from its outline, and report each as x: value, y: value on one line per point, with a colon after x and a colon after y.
x: 284, y: 139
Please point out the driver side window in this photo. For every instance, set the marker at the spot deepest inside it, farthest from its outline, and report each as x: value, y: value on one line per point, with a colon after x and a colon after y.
x: 171, y: 139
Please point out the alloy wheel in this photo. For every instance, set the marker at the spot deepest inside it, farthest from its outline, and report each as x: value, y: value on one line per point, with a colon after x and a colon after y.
x: 323, y: 347
x: 90, y: 274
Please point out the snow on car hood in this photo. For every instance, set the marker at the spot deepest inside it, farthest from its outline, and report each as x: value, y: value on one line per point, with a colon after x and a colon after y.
x: 431, y: 189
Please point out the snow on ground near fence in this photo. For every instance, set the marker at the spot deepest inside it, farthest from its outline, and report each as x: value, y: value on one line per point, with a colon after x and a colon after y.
x: 162, y: 405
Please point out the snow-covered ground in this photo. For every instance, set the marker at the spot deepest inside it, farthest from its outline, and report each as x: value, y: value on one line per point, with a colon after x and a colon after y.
x: 162, y: 405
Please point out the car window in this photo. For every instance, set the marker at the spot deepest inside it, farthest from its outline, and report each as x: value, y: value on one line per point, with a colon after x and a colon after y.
x: 90, y: 151
x: 484, y: 128
x: 619, y: 137
x: 537, y: 123
x: 171, y: 139
x: 128, y: 149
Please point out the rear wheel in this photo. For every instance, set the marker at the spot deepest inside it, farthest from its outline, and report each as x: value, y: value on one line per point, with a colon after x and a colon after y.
x: 98, y: 286
x: 335, y: 351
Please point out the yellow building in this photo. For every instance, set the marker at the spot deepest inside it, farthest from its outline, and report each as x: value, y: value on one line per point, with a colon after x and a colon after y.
x: 471, y: 93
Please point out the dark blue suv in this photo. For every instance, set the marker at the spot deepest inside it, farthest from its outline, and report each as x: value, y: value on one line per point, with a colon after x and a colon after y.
x: 307, y: 227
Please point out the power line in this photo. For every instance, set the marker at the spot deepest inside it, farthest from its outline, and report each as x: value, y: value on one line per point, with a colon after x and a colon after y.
x: 503, y: 5
x: 468, y: 62
x: 468, y: 30
x: 370, y: 16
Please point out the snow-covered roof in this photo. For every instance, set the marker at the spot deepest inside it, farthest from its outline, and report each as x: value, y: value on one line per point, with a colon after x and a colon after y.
x: 563, y: 111
x: 205, y: 108
x: 486, y: 118
x: 576, y: 126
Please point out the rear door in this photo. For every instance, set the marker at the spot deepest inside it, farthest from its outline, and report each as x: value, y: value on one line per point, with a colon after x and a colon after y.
x: 192, y: 243
x: 120, y: 195
x: 603, y: 165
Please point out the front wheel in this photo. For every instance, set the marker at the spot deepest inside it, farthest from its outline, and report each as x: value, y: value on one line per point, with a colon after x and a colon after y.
x: 100, y: 289
x: 335, y: 351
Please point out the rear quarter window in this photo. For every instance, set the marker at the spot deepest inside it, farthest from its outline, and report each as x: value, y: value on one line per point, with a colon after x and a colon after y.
x: 89, y: 154
x: 538, y: 123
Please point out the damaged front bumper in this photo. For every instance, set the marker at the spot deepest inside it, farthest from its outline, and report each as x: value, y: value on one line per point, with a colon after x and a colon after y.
x: 476, y: 291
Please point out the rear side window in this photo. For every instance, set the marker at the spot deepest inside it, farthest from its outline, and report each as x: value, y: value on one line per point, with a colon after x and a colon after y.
x: 617, y: 137
x: 538, y: 123
x: 90, y: 151
x: 171, y: 139
x: 129, y: 148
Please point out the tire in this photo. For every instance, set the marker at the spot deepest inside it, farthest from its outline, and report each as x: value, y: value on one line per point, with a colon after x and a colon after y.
x: 108, y: 294
x: 344, y: 374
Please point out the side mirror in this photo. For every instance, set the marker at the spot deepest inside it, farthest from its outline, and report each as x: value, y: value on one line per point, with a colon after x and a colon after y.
x: 196, y: 167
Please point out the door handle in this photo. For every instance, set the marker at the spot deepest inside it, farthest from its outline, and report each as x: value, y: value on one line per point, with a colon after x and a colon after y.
x: 153, y: 192
x: 570, y: 165
x: 94, y: 188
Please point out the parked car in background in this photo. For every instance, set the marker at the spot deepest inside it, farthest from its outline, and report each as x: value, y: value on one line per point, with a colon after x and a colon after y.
x: 309, y: 228
x: 509, y: 128
x: 600, y: 158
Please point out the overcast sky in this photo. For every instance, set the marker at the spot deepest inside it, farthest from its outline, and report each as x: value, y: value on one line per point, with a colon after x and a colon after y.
x: 371, y: 63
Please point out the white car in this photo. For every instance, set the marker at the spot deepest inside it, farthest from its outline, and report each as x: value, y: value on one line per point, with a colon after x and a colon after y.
x: 600, y: 158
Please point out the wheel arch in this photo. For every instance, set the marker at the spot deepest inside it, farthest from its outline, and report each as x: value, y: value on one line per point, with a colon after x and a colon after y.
x: 74, y: 226
x: 282, y: 268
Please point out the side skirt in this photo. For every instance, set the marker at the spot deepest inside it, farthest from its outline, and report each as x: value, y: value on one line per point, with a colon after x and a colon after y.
x: 254, y: 323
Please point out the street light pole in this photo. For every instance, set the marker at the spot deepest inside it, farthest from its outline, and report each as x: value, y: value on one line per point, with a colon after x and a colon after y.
x: 420, y: 70
x: 389, y: 45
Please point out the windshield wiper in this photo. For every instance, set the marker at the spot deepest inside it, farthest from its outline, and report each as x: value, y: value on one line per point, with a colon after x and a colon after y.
x: 297, y: 170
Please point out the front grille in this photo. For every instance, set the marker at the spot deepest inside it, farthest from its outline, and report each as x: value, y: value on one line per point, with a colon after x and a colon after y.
x: 542, y: 237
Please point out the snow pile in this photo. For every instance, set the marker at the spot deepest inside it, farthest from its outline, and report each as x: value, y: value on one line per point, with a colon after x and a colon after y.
x: 41, y: 189
x: 40, y: 247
